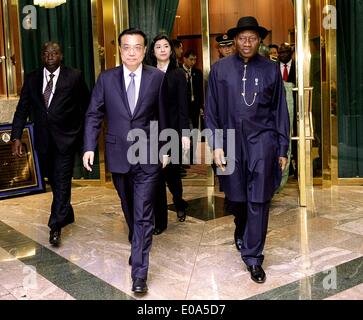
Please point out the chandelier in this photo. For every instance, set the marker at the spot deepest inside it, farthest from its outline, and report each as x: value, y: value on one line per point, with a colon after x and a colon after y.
x: 49, y: 3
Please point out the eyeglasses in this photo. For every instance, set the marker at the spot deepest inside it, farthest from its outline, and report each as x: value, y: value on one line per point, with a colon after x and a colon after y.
x: 136, y: 49
x: 252, y: 39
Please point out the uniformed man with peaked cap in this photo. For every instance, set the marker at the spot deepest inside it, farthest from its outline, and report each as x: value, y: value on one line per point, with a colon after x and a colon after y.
x: 225, y: 45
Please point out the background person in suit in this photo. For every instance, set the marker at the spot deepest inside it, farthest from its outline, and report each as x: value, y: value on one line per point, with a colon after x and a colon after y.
x: 130, y: 96
x: 161, y: 55
x: 194, y: 78
x: 288, y: 73
x: 57, y: 98
x: 195, y: 94
x: 178, y: 48
x: 285, y: 53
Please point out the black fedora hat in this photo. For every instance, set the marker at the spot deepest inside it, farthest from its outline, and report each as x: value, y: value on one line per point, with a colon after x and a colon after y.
x: 248, y: 23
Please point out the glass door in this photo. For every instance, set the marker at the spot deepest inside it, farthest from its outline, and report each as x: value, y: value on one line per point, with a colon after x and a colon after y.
x: 10, y: 51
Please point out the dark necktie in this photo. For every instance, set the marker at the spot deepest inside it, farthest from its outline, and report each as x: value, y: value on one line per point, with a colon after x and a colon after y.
x: 285, y: 75
x: 48, y: 90
x: 190, y: 81
x: 131, y: 91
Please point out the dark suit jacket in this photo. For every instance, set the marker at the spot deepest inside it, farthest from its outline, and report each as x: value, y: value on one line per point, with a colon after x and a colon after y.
x: 197, y: 104
x: 177, y: 101
x: 292, y: 78
x: 64, y: 118
x: 292, y: 73
x: 109, y: 98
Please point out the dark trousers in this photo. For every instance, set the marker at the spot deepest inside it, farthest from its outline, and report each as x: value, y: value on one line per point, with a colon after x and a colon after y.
x: 136, y: 190
x: 251, y: 220
x: 254, y: 236
x: 192, y: 152
x: 239, y: 210
x: 170, y: 176
x: 58, y: 168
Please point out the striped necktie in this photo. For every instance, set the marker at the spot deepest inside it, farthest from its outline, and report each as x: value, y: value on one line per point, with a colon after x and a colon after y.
x: 48, y: 90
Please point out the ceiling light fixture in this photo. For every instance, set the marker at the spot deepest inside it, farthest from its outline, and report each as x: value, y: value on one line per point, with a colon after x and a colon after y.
x: 49, y: 4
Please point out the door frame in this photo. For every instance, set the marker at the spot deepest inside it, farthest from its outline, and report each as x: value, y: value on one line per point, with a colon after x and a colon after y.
x: 303, y: 29
x: 305, y: 175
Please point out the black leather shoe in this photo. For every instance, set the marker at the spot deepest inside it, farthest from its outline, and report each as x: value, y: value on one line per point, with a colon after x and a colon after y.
x: 139, y: 285
x: 257, y: 273
x: 238, y: 240
x: 157, y: 231
x: 130, y: 261
x: 55, y: 237
x: 181, y: 215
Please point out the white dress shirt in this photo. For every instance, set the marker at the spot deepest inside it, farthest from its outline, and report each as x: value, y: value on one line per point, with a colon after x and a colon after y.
x: 46, y: 78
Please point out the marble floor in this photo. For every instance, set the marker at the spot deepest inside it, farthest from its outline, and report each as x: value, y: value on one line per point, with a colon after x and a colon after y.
x: 310, y: 253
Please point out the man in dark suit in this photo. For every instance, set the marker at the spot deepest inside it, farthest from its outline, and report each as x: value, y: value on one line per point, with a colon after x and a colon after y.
x: 288, y: 73
x: 194, y: 78
x: 57, y: 98
x: 195, y: 95
x: 287, y: 64
x: 131, y: 96
x: 178, y: 48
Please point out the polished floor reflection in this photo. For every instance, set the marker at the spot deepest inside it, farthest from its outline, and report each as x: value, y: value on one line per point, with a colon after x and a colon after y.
x: 314, y: 253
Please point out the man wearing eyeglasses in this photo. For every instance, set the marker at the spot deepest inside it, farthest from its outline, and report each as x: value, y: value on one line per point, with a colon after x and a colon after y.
x: 130, y: 96
x: 246, y: 93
